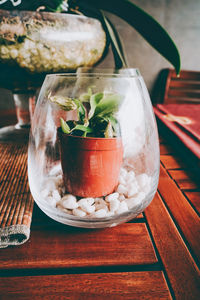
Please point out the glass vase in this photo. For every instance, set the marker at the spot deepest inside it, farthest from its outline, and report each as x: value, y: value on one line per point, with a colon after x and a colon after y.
x: 99, y: 178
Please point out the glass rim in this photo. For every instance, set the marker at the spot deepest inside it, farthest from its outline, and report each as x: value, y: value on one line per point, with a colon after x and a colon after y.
x: 50, y: 13
x: 106, y: 72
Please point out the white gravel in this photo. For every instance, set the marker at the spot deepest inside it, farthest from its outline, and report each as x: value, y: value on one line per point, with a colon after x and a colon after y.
x: 130, y: 193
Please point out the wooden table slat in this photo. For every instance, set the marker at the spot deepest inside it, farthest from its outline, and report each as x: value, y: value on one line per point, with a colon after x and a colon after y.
x: 139, y: 285
x: 63, y: 246
x: 184, y: 180
x: 171, y: 162
x: 165, y: 149
x: 183, y: 213
x: 194, y: 198
x: 182, y: 272
x: 62, y: 262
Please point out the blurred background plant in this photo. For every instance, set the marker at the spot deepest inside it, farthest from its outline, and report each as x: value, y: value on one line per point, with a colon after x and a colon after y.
x: 147, y: 26
x: 179, y: 18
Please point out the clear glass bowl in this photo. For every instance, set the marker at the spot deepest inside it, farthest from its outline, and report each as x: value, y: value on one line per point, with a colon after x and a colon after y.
x: 94, y: 182
x: 34, y: 43
x: 41, y: 42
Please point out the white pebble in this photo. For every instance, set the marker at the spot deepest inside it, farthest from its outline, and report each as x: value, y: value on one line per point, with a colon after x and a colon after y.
x: 114, y: 205
x: 113, y: 196
x: 100, y: 213
x: 90, y: 209
x: 130, y: 177
x: 59, y: 180
x: 44, y: 193
x: 132, y: 202
x: 55, y: 170
x: 82, y: 201
x: 89, y: 201
x: 123, y: 172
x: 100, y: 201
x: 50, y: 184
x: 122, y: 197
x: 121, y: 189
x: 51, y: 201
x: 99, y: 206
x: 123, y: 207
x: 56, y: 195
x: 78, y: 212
x: 63, y: 209
x: 87, y: 208
x: 130, y: 193
x: 122, y: 180
x: 147, y: 187
x: 14, y: 53
x: 69, y: 202
x: 133, y: 189
x: 142, y: 179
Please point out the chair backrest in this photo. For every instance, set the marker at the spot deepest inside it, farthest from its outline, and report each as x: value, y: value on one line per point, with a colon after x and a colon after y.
x: 172, y: 89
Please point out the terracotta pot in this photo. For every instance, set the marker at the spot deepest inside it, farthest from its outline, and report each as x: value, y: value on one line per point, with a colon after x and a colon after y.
x: 90, y: 166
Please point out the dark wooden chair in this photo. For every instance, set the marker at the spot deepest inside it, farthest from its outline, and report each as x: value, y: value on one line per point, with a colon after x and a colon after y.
x: 169, y: 88
x: 176, y: 102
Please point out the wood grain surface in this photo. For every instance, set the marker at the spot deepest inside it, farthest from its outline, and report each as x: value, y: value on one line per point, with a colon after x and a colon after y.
x: 65, y: 247
x: 183, y: 273
x: 184, y: 179
x: 171, y: 162
x: 155, y: 256
x: 183, y: 213
x: 194, y: 198
x: 139, y: 285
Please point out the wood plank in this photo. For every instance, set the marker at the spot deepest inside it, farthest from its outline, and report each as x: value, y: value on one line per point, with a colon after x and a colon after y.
x: 185, y: 75
x: 183, y: 213
x: 171, y: 162
x: 184, y: 179
x: 139, y: 285
x: 175, y: 93
x: 180, y: 267
x: 65, y: 247
x: 181, y: 99
x: 165, y: 149
x: 185, y: 84
x: 194, y: 198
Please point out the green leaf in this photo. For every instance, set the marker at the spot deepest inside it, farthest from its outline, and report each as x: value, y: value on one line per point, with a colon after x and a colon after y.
x: 85, y: 97
x: 109, y: 104
x: 147, y: 26
x: 94, y: 100
x: 116, y: 44
x: 81, y: 110
x: 83, y: 128
x: 64, y: 126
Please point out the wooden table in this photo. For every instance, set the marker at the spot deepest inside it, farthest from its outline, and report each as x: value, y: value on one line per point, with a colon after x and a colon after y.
x: 155, y: 256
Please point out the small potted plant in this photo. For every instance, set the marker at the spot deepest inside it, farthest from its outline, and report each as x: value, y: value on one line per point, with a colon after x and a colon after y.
x: 91, y: 146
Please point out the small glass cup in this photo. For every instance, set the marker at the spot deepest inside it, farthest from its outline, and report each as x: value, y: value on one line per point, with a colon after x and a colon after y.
x: 99, y: 178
